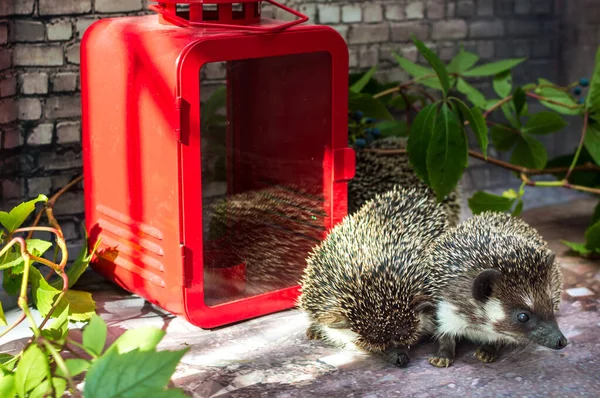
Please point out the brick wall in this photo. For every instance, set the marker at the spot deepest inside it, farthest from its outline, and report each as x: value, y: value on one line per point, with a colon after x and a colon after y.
x: 40, y: 146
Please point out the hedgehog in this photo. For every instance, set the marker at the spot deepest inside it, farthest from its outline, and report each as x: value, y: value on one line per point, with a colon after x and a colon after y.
x: 363, y: 288
x: 377, y: 173
x: 270, y: 231
x: 496, y: 283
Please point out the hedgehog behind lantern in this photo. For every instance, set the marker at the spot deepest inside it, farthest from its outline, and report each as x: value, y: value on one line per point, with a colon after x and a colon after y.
x: 377, y: 173
x: 363, y: 287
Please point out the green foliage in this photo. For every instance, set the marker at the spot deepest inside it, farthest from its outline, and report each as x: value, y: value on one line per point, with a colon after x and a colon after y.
x: 39, y: 370
x: 493, y: 68
x: 436, y: 63
x: 510, y: 201
x: 362, y: 82
x: 593, y: 98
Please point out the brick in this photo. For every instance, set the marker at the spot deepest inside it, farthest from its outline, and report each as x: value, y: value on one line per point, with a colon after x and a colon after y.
x: 64, y: 81
x: 59, y: 30
x: 329, y: 13
x: 452, y: 29
x: 41, y: 134
x: 214, y: 70
x: 375, y: 33
x: 64, y: 7
x: 69, y: 203
x: 73, y: 54
x: 68, y: 132
x: 24, y: 7
x: 8, y: 86
x: 415, y: 10
x: 353, y: 58
x: 403, y: 30
x: 465, y: 8
x: 12, y: 189
x: 62, y: 107
x: 451, y: 10
x: 485, y: 49
x: 60, y: 181
x: 542, y: 48
x: 542, y: 7
x: 29, y: 108
x: 523, y: 7
x: 523, y: 28
x: 368, y: 56
x: 485, y: 29
x: 70, y: 233
x: 3, y: 33
x: 351, y: 13
x: 106, y: 6
x: 12, y: 137
x: 447, y: 51
x: 373, y: 13
x: 40, y: 185
x: 394, y: 12
x: 82, y: 24
x: 34, y: 55
x: 310, y: 10
x: 28, y: 31
x: 33, y: 83
x: 52, y: 161
x: 8, y: 111
x: 485, y: 8
x: 342, y: 30
x: 504, y: 8
x: 521, y: 48
x: 7, y: 8
x: 436, y: 9
x: 5, y: 58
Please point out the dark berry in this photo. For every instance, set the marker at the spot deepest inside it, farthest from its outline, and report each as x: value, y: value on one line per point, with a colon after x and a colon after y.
x: 582, y: 100
x: 584, y: 82
x: 369, y: 138
x: 577, y: 91
x: 375, y: 131
x: 368, y: 130
x: 360, y: 142
x: 358, y: 115
x: 369, y: 120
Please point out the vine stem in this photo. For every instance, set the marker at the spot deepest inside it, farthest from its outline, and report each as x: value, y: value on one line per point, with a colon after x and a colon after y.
x: 496, y: 106
x: 551, y: 101
x: 586, y: 117
x: 59, y: 362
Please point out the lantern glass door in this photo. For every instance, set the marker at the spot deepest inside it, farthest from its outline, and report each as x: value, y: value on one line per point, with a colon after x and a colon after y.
x: 265, y: 136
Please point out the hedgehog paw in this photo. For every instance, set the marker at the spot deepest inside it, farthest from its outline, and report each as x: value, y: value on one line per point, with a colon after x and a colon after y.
x: 313, y: 333
x: 440, y: 362
x: 399, y: 359
x: 485, y: 355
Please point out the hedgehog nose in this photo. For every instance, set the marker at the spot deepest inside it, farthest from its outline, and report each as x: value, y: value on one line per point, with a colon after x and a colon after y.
x: 561, y: 343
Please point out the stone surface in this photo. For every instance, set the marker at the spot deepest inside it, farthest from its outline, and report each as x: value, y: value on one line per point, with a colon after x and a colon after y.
x: 394, y: 12
x: 28, y: 31
x: 376, y: 33
x: 117, y: 6
x: 415, y: 10
x: 8, y: 86
x: 402, y: 31
x: 65, y: 81
x: 485, y: 29
x: 34, y: 55
x: 73, y: 54
x: 68, y: 132
x: 3, y: 33
x: 485, y: 8
x: 373, y: 13
x: 29, y: 108
x: 270, y: 356
x: 329, y: 13
x: 34, y: 83
x: 63, y: 106
x: 64, y: 7
x: 41, y: 134
x: 447, y: 30
x: 59, y: 30
x: 351, y: 13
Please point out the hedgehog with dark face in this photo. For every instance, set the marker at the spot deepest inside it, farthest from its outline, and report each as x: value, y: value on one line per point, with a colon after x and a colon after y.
x: 496, y: 283
x: 363, y: 287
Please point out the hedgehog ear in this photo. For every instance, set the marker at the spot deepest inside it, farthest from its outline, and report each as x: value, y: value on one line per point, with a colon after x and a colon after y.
x: 422, y: 303
x: 484, y: 283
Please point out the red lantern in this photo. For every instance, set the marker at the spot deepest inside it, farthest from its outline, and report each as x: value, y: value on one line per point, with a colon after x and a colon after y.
x: 206, y: 198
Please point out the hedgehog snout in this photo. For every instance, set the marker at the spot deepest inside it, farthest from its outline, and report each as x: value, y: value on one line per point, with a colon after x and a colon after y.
x: 549, y: 335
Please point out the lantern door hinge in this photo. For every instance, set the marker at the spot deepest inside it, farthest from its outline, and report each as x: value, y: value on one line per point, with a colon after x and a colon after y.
x: 185, y: 259
x: 178, y: 102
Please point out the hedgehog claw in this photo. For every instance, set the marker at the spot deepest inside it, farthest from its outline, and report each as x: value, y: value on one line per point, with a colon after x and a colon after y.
x: 440, y: 362
x: 485, y: 355
x: 313, y: 333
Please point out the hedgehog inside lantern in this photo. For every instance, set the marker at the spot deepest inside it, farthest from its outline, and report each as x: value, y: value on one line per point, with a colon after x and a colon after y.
x: 215, y: 153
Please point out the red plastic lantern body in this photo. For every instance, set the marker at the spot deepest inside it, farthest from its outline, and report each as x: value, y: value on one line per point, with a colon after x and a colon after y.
x: 215, y: 154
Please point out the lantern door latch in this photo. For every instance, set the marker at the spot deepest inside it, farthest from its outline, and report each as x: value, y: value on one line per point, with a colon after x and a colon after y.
x: 344, y: 164
x: 177, y: 127
x: 185, y: 263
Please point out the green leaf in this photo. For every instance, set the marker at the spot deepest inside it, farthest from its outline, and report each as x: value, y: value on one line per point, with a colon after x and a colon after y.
x: 596, y: 215
x: 32, y: 369
x: 216, y: 101
x: 370, y: 106
x: 592, y: 101
x: 503, y: 137
x: 82, y: 305
x: 503, y: 83
x: 393, y: 128
x: 8, y: 387
x: 11, y: 281
x: 476, y: 122
x: 462, y: 61
x: 111, y: 375
x: 398, y: 103
x: 483, y: 201
x: 75, y: 366
x: 419, y: 138
x: 418, y: 71
x: 529, y: 153
x: 518, y: 208
x: 472, y: 93
x: 511, y: 115
x: 94, y: 335
x: 362, y: 82
x: 37, y: 247
x: 592, y: 141
x: 80, y: 264
x: 447, y: 153
x: 19, y: 214
x: 544, y: 123
x: 592, y: 237
x: 12, y: 259
x: 143, y: 339
x: 494, y: 68
x: 577, y: 247
x: 43, y: 294
x: 558, y: 95
x: 41, y: 390
x: 435, y: 62
x: 510, y: 194
x: 60, y: 326
x: 519, y: 100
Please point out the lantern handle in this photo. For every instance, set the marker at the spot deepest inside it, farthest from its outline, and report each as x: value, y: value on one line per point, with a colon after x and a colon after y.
x: 171, y: 17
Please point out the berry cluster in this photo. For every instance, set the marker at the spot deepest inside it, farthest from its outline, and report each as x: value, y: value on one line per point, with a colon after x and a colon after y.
x: 361, y: 129
x: 583, y: 82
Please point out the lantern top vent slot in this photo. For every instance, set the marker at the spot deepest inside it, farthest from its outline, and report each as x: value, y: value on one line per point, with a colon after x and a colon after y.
x: 223, y: 14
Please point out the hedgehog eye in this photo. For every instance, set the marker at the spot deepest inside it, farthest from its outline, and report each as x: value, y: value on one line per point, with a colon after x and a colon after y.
x: 523, y: 317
